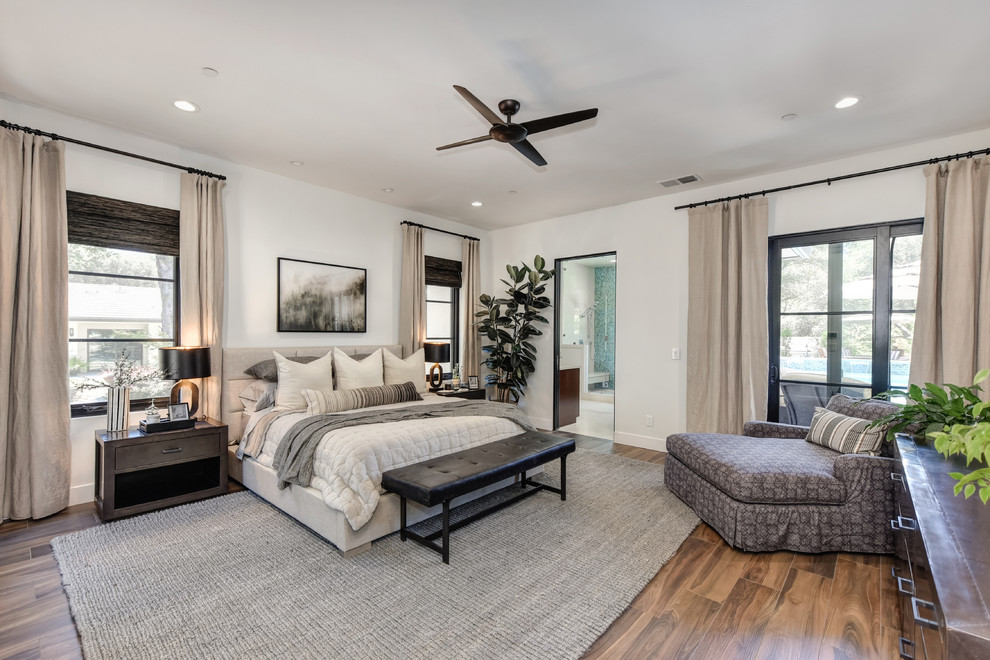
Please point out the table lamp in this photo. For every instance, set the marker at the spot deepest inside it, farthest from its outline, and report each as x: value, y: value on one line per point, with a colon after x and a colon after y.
x: 183, y: 363
x: 436, y: 353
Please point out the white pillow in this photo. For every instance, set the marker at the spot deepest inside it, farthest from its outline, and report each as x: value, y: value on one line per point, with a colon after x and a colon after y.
x: 413, y: 368
x: 294, y: 377
x: 352, y: 374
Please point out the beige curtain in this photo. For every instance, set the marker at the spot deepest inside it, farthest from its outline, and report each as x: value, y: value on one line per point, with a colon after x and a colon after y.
x: 412, y: 297
x: 727, y: 316
x: 34, y: 327
x: 471, y: 274
x: 201, y: 271
x: 952, y: 327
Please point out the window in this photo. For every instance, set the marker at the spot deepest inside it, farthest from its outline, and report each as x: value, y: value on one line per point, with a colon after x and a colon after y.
x: 443, y: 288
x: 123, y: 292
x: 842, y: 309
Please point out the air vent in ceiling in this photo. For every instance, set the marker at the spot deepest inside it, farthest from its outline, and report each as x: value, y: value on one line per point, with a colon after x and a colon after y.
x: 681, y: 180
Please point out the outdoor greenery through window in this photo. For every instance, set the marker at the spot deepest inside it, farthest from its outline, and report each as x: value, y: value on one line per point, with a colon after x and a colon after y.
x: 120, y: 302
x: 441, y: 320
x: 842, y: 315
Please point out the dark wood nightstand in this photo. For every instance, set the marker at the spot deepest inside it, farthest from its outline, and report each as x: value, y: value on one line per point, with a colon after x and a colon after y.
x: 464, y: 393
x: 138, y: 472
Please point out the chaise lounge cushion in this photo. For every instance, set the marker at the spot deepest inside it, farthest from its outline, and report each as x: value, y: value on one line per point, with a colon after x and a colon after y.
x: 762, y: 470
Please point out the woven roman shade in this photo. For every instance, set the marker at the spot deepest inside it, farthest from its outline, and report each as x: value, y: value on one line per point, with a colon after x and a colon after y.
x: 114, y: 223
x: 443, y: 272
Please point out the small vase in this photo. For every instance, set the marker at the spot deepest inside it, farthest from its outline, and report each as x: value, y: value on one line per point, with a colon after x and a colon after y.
x: 118, y: 407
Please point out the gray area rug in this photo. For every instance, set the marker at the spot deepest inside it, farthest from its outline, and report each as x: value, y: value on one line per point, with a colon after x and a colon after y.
x: 232, y: 577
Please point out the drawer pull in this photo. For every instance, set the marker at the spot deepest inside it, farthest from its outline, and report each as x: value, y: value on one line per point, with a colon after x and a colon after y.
x: 896, y: 476
x: 907, y: 523
x: 910, y: 586
x: 901, y: 644
x: 172, y: 451
x: 916, y: 605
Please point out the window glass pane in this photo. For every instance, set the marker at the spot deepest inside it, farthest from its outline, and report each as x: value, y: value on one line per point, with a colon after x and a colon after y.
x: 804, y: 279
x: 857, y: 276
x: 88, y: 360
x: 857, y: 349
x: 802, y: 346
x: 901, y: 336
x: 91, y: 259
x: 905, y: 271
x: 437, y: 320
x: 857, y: 392
x: 104, y: 302
x: 798, y: 402
x: 438, y: 292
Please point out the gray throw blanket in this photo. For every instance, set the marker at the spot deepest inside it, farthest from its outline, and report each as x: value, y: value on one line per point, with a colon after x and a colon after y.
x: 293, y: 461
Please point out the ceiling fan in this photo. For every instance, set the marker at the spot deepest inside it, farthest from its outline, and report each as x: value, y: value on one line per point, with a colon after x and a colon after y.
x: 515, y: 134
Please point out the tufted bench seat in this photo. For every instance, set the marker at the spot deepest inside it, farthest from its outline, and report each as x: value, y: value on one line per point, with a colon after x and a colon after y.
x: 440, y: 480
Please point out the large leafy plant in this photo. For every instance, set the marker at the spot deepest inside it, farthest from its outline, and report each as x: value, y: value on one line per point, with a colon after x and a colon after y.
x: 974, y: 443
x: 509, y: 323
x: 933, y: 409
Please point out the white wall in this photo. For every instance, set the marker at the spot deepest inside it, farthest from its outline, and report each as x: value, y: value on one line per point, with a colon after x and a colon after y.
x: 651, y: 241
x: 267, y: 216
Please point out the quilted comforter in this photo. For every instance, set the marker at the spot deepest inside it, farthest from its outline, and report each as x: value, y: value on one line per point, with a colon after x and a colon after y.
x: 348, y: 462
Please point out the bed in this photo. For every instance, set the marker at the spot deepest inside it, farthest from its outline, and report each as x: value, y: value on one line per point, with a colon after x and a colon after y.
x: 350, y: 529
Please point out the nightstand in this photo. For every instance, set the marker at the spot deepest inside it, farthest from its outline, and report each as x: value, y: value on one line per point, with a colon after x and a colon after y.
x: 464, y: 393
x: 138, y: 472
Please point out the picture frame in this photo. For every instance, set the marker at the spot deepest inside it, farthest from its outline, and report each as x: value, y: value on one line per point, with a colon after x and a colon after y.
x: 473, y: 383
x: 320, y: 297
x: 178, y: 411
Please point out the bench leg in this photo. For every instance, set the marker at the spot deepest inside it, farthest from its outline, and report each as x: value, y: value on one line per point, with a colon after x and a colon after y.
x: 402, y: 518
x: 446, y: 532
x: 522, y: 480
x: 563, y: 477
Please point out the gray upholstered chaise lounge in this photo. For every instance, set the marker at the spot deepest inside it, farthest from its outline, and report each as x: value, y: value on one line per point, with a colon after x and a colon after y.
x: 769, y: 489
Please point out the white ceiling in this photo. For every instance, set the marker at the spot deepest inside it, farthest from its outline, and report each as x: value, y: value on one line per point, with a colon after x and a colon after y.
x: 361, y: 92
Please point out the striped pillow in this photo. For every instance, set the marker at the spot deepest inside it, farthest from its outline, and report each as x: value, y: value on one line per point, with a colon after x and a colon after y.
x: 848, y: 435
x: 331, y: 401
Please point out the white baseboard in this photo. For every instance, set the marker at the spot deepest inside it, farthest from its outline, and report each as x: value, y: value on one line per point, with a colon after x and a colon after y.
x: 646, y: 442
x: 81, y: 494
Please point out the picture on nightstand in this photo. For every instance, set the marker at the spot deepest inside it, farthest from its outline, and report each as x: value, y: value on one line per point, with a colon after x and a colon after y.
x: 473, y: 383
x: 177, y: 411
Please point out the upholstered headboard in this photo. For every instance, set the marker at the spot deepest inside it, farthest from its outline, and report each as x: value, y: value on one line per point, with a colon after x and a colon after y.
x: 234, y: 380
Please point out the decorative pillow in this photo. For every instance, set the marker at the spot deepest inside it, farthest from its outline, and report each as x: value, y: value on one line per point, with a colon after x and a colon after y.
x: 331, y: 401
x: 293, y: 378
x: 258, y: 395
x: 848, y: 435
x: 412, y: 369
x: 267, y: 370
x: 352, y: 373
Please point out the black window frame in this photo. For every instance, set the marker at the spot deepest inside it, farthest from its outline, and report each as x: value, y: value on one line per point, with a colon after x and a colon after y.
x: 454, y: 302
x: 882, y: 234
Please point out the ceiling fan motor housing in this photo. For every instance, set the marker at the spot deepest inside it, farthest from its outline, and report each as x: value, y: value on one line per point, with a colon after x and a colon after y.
x: 508, y: 133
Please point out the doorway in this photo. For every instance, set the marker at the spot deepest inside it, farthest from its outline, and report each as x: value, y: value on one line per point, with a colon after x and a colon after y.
x: 584, y: 345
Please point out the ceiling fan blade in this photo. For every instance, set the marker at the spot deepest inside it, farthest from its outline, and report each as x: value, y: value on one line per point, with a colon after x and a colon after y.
x: 545, y: 124
x: 529, y: 151
x: 463, y: 142
x: 485, y: 111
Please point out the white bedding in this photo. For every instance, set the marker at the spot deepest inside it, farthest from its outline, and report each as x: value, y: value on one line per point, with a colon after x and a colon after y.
x: 348, y: 464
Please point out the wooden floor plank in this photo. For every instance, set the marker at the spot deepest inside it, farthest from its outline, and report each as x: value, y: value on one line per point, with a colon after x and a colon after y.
x: 853, y: 625
x: 737, y: 630
x: 678, y: 630
x: 768, y: 568
x: 718, y: 574
x: 676, y: 575
x: 620, y: 635
x: 823, y: 564
x: 798, y: 623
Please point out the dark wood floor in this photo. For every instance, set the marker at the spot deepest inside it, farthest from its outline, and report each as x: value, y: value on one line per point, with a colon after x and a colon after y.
x: 709, y: 601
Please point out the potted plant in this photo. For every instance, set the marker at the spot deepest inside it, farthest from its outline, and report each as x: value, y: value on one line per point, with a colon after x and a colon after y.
x: 955, y: 419
x: 118, y: 380
x: 509, y: 323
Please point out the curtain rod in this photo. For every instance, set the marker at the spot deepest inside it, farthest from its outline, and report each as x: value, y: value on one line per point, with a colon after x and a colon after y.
x: 930, y: 161
x: 53, y: 136
x: 442, y: 231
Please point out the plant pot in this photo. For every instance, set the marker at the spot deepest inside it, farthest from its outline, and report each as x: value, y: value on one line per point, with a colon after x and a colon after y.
x: 118, y: 407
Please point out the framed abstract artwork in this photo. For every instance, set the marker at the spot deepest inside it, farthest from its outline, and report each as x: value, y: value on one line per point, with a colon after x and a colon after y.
x: 317, y: 297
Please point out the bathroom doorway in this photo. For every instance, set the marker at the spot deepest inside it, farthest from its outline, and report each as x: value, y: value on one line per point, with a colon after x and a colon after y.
x: 584, y: 345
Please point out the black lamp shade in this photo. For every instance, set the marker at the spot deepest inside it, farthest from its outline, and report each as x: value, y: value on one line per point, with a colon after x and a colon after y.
x: 437, y: 352
x: 181, y: 362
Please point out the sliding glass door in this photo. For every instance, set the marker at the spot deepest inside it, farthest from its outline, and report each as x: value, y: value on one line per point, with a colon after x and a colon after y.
x: 841, y: 315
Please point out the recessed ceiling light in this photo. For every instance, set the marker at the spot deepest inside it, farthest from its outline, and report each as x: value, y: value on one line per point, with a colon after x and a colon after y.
x: 789, y: 116
x: 475, y: 203
x: 297, y: 163
x: 185, y: 106
x: 512, y: 192
x: 210, y: 72
x: 847, y: 102
x: 388, y: 189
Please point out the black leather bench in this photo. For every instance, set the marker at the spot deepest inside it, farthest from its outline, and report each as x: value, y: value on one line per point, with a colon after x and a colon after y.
x: 440, y: 480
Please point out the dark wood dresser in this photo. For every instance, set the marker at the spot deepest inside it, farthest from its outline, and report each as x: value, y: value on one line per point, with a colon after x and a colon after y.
x: 943, y: 552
